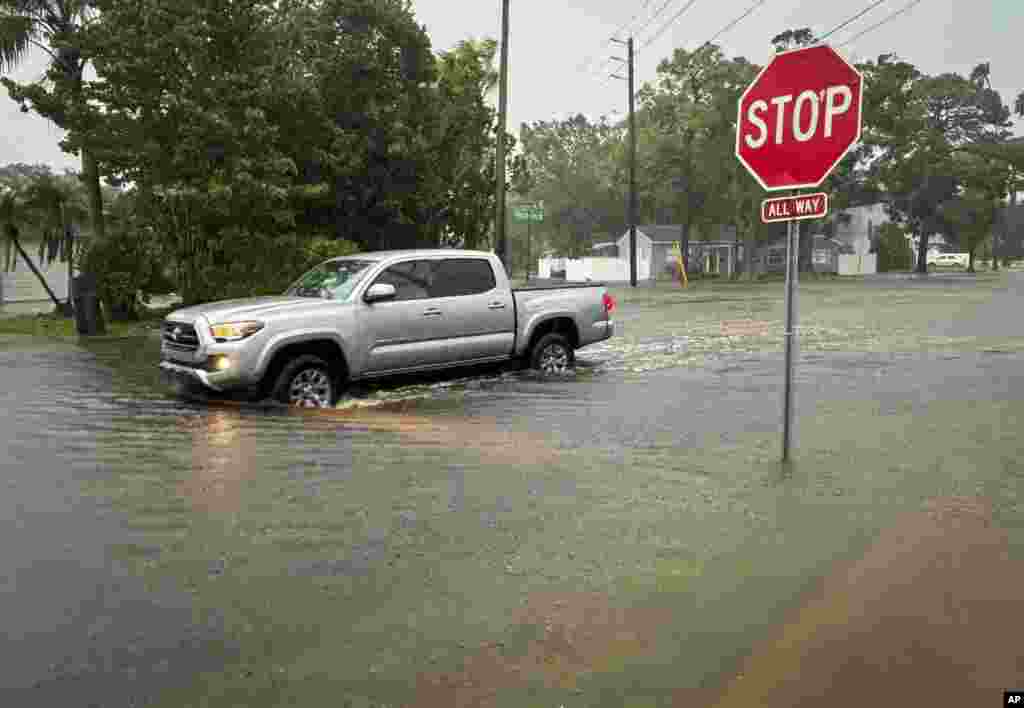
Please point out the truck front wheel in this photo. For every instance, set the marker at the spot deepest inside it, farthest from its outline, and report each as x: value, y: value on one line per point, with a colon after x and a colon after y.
x: 306, y: 382
x: 552, y: 354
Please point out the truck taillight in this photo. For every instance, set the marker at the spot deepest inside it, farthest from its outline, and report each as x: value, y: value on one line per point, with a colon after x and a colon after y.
x: 609, y: 302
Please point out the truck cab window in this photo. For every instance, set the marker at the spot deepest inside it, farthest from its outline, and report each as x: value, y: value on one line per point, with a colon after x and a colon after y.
x: 411, y: 279
x: 462, y: 276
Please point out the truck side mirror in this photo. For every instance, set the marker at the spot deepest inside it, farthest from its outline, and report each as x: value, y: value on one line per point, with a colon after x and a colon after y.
x: 379, y: 292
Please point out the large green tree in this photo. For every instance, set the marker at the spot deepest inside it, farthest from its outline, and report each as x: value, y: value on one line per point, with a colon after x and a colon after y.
x: 914, y: 125
x: 577, y: 169
x: 463, y: 151
x: 688, y: 167
x: 186, y: 91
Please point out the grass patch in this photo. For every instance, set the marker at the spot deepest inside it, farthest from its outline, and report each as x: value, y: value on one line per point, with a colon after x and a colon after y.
x: 55, y: 326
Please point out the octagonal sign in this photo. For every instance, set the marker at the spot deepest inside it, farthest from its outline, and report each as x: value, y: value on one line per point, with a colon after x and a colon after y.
x: 799, y: 117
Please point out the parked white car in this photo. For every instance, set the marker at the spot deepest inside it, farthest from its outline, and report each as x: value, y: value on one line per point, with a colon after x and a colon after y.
x: 949, y: 259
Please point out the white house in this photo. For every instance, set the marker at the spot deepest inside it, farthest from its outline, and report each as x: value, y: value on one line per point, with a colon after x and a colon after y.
x: 654, y: 254
x: 863, y: 224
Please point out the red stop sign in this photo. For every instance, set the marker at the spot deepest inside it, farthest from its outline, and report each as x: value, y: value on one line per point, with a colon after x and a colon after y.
x: 799, y: 117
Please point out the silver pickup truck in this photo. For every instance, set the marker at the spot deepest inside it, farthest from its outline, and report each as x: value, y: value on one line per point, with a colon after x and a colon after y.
x: 379, y: 314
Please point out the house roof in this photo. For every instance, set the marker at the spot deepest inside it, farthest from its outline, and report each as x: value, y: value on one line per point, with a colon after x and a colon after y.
x: 669, y: 233
x: 661, y: 233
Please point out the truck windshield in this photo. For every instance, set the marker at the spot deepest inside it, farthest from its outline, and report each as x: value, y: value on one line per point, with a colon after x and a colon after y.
x: 333, y: 280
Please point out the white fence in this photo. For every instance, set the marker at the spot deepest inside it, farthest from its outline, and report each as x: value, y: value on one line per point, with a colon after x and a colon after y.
x: 601, y: 269
x: 850, y: 264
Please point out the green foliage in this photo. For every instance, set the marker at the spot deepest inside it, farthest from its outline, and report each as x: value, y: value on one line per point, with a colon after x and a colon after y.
x: 917, y: 128
x: 894, y: 252
x: 577, y: 168
x: 249, y: 128
x: 128, y: 263
x: 318, y: 250
x: 793, y: 39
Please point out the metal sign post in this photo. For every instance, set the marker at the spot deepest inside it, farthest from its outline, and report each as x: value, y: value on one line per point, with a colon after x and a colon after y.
x: 792, y: 271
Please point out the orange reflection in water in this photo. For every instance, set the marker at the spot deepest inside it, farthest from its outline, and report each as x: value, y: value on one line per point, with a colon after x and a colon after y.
x: 481, y: 435
x: 223, y: 459
x: 744, y: 328
x: 221, y: 462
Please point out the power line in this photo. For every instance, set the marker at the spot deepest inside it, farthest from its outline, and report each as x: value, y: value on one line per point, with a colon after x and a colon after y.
x: 668, y: 24
x: 746, y: 13
x: 726, y: 28
x: 854, y: 18
x: 875, y: 26
x: 729, y: 26
x: 585, y: 66
x: 653, y: 17
x: 735, y: 22
x: 647, y: 3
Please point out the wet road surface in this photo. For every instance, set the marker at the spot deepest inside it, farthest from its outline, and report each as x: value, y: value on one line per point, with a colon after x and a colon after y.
x: 496, y: 539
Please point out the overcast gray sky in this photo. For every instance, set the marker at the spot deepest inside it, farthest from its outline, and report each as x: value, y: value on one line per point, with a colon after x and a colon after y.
x: 552, y: 41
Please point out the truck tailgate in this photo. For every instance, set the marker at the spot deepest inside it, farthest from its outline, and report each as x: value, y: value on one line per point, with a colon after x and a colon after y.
x: 582, y: 303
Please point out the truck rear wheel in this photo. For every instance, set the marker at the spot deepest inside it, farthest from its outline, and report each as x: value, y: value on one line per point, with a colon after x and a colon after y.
x: 552, y: 354
x: 306, y: 382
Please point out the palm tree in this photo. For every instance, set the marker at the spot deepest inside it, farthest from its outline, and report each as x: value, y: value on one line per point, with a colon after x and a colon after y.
x: 52, y: 26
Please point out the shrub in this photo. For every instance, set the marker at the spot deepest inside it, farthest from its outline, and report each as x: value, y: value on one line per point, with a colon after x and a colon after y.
x: 250, y: 264
x: 127, y: 269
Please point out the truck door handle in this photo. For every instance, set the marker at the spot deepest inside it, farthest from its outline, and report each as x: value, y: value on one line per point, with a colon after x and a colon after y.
x: 432, y: 312
x: 496, y: 306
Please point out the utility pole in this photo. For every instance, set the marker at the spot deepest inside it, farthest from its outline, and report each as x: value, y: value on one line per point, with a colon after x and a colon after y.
x: 501, y: 243
x: 632, y: 158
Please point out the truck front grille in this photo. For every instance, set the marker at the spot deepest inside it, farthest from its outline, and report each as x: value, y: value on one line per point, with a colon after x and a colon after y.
x: 180, y: 336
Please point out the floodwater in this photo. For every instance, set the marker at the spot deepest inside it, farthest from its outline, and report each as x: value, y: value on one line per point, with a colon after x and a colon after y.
x: 620, y: 536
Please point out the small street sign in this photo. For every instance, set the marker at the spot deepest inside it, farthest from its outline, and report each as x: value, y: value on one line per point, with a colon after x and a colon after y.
x: 528, y: 214
x: 799, y: 117
x: 805, y: 206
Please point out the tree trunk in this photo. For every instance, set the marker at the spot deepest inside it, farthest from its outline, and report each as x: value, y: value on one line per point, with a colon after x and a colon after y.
x: 91, y: 177
x: 734, y: 272
x: 995, y: 245
x: 806, y: 250
x: 684, y: 243
x: 1013, y: 207
x: 749, y: 251
x: 922, y: 253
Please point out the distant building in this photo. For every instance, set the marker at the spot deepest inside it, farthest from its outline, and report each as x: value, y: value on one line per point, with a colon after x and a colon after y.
x: 655, y: 257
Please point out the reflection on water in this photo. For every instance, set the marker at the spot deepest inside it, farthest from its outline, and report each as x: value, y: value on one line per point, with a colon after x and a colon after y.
x: 221, y: 461
x: 469, y: 534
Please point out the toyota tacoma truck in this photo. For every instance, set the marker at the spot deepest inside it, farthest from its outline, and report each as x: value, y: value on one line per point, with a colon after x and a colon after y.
x: 375, y: 315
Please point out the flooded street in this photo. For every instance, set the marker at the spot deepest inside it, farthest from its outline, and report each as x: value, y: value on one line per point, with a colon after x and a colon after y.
x: 621, y: 536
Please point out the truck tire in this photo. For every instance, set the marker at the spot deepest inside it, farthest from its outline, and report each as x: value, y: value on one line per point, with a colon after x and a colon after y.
x: 306, y: 382
x: 552, y: 354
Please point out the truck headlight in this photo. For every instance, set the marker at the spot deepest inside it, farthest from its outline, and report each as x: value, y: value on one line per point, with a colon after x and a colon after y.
x: 233, y: 331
